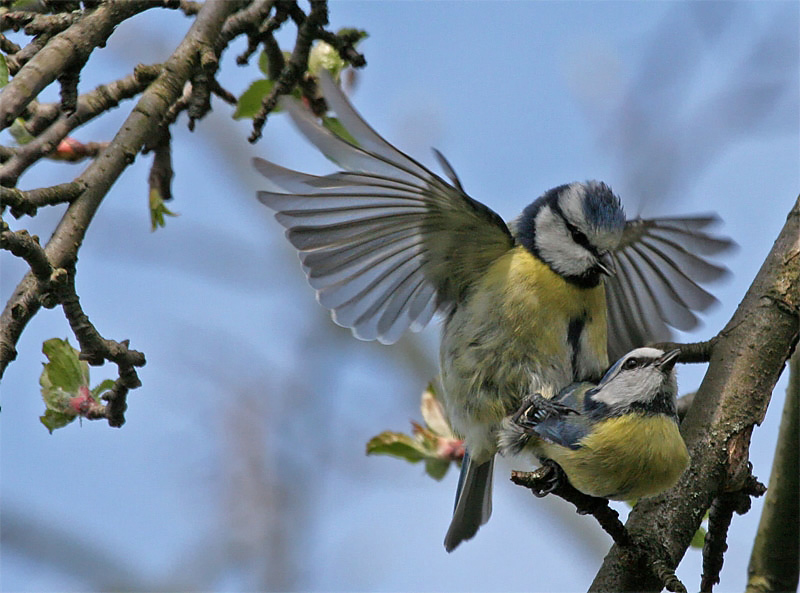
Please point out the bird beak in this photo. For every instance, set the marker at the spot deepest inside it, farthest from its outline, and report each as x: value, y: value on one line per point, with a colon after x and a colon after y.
x: 667, y: 362
x: 606, y: 264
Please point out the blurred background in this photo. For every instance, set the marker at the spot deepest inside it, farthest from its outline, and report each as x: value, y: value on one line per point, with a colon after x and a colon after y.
x: 241, y: 466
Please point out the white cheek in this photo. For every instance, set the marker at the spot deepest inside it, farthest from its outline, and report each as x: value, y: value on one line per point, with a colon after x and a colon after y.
x: 630, y: 387
x: 557, y: 248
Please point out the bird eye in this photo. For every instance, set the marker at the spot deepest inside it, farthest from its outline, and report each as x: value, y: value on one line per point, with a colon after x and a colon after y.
x: 629, y: 364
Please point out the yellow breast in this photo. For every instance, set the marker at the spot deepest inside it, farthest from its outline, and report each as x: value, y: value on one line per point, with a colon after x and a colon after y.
x: 516, y: 334
x: 628, y: 457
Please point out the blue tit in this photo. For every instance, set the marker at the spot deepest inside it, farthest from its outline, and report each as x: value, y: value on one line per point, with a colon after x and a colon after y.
x: 615, y: 439
x: 527, y: 307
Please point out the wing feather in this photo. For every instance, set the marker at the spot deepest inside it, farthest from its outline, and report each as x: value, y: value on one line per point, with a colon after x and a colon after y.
x: 386, y: 243
x: 661, y: 264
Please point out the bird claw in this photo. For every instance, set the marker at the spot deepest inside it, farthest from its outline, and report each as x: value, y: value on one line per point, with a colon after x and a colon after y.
x: 535, y: 409
x: 549, y: 477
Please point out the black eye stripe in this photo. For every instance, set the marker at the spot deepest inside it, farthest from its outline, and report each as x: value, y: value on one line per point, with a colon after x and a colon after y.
x: 577, y: 235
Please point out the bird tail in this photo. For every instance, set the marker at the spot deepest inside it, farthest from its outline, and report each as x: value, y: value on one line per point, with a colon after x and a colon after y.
x: 473, y: 501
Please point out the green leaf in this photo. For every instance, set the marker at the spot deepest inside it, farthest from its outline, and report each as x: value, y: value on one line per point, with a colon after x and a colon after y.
x: 158, y: 210
x: 53, y: 420
x: 99, y: 390
x: 3, y: 71
x: 398, y: 445
x: 436, y: 468
x: 335, y: 126
x: 64, y: 370
x: 63, y: 378
x: 250, y: 101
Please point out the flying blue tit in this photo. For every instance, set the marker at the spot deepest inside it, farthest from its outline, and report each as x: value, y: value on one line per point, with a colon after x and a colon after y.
x: 616, y: 439
x: 527, y: 307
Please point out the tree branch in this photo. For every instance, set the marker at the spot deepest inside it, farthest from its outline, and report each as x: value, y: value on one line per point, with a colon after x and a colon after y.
x: 307, y: 31
x: 24, y: 203
x: 89, y: 106
x: 719, y: 519
x: 62, y: 51
x: 745, y: 364
x: 141, y: 125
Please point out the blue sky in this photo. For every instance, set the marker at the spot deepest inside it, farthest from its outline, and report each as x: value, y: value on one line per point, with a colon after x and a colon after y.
x: 242, y: 463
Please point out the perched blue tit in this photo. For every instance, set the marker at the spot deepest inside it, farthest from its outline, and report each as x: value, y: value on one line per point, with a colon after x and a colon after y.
x: 527, y: 307
x: 615, y: 439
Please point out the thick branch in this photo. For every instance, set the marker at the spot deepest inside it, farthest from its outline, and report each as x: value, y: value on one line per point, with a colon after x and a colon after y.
x: 746, y: 362
x: 140, y: 126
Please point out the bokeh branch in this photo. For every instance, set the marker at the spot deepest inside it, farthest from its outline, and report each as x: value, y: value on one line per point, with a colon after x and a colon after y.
x: 746, y: 361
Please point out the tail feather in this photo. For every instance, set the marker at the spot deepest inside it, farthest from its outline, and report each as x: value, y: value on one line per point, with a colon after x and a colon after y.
x: 473, y: 501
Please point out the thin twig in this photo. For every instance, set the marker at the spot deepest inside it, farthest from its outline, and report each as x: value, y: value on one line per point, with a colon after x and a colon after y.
x: 89, y: 106
x: 75, y: 43
x: 27, y: 202
x: 550, y: 479
x: 307, y: 31
x: 696, y: 352
x: 26, y: 246
x: 719, y: 519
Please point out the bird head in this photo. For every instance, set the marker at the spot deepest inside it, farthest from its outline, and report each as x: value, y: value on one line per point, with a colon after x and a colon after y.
x: 573, y: 228
x: 641, y: 381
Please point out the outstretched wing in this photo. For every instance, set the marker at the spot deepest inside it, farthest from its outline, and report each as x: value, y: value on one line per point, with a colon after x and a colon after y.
x: 661, y: 264
x: 386, y: 243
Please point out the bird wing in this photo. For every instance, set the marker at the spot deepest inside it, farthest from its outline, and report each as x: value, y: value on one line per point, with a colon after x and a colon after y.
x: 385, y: 242
x: 661, y: 264
x: 566, y: 430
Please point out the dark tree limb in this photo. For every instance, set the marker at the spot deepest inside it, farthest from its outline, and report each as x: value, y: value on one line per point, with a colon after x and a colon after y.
x: 541, y: 482
x: 308, y: 29
x: 746, y: 361
x: 26, y: 246
x: 695, y: 352
x: 644, y: 554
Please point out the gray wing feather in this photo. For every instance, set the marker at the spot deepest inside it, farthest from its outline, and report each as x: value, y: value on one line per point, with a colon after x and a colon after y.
x: 661, y: 264
x: 386, y: 243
